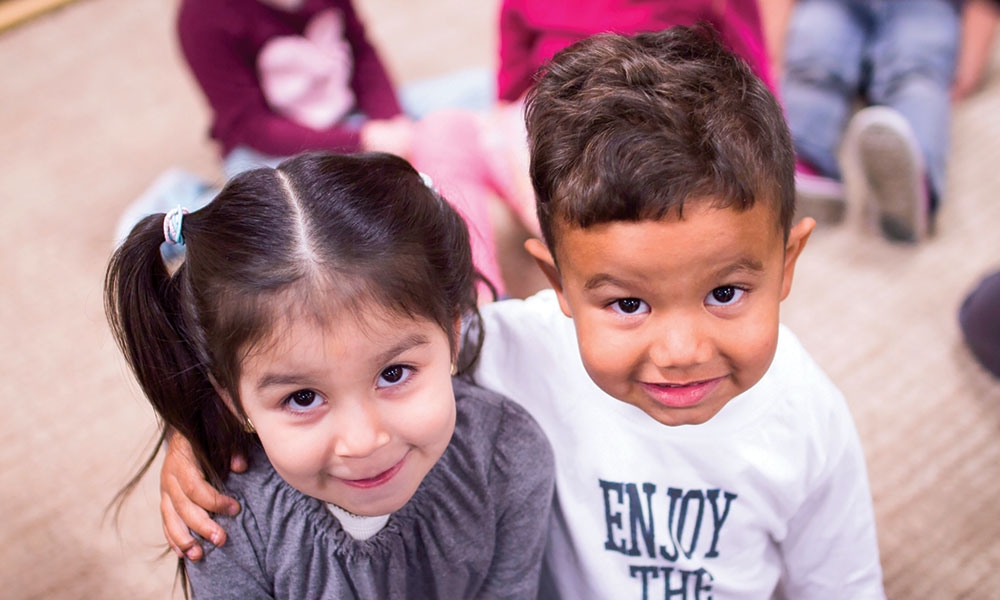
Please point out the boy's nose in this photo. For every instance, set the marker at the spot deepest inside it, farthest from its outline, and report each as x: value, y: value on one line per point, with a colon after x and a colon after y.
x: 679, y: 343
x: 360, y: 432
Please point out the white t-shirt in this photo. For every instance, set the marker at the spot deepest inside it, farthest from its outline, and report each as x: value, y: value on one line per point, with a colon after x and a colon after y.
x: 768, y: 498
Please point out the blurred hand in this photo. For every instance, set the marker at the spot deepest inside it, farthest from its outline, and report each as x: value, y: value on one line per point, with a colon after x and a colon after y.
x: 394, y: 136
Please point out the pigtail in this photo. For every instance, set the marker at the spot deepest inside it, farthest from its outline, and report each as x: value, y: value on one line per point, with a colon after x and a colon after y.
x: 149, y: 311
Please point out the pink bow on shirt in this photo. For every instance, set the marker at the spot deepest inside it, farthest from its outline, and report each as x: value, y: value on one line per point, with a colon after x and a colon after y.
x: 307, y: 78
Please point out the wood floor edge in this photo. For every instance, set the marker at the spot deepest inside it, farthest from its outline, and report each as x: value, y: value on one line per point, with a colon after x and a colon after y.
x: 16, y: 12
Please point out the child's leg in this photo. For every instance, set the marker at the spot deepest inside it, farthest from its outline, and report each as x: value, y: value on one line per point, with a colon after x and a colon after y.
x: 823, y: 67
x: 913, y: 65
x: 447, y: 147
x: 505, y: 155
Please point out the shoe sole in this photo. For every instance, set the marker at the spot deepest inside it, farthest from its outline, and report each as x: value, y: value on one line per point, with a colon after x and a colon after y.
x: 893, y: 170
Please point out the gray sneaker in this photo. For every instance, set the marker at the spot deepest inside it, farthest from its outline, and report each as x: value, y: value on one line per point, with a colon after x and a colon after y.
x: 881, y: 144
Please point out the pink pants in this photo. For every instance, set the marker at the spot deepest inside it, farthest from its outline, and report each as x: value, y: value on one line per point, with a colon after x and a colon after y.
x: 473, y: 158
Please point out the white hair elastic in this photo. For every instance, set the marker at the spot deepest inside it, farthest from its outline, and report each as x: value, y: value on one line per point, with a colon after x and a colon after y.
x: 173, y: 221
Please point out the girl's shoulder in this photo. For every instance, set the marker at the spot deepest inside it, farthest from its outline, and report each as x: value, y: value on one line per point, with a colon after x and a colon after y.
x: 499, y: 436
x: 485, y: 412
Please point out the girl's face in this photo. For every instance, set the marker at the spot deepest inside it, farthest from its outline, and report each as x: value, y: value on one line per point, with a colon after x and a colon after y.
x: 354, y: 414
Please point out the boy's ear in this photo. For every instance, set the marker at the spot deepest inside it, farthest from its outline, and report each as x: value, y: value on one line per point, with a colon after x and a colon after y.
x: 545, y: 261
x: 797, y: 239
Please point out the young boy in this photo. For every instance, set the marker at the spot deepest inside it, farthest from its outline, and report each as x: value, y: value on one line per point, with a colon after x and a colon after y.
x: 729, y: 466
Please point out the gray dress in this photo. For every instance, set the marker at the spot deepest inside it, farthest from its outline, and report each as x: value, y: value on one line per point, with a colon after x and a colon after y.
x: 475, y: 528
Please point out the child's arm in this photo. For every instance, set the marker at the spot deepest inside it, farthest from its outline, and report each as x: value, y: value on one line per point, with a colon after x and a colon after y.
x: 185, y: 496
x: 979, y: 22
x: 522, y: 478
x: 774, y: 16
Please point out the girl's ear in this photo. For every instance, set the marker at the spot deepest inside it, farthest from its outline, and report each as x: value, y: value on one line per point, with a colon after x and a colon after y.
x: 797, y: 239
x: 457, y: 341
x: 226, y: 398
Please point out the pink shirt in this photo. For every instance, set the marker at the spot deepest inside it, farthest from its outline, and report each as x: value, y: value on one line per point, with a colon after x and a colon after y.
x: 531, y: 32
x: 221, y: 40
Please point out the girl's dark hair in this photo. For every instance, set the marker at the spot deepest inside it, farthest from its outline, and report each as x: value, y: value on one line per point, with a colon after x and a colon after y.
x: 320, y: 231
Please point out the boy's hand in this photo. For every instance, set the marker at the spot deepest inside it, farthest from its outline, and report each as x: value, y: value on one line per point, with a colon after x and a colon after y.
x: 185, y: 496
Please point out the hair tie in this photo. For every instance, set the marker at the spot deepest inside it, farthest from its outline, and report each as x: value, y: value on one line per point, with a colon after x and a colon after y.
x: 427, y: 180
x: 172, y: 223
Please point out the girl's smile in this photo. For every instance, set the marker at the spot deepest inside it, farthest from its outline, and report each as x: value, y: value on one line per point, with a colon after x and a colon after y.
x: 379, y: 479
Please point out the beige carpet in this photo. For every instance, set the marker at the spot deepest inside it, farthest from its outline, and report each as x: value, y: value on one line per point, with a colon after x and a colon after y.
x: 94, y: 103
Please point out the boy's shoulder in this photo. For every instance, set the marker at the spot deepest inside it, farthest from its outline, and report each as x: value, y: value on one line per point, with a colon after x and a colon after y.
x: 798, y: 388
x: 524, y: 324
x: 794, y: 367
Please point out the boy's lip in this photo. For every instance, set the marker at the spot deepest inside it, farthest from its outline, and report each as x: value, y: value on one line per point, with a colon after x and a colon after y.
x: 681, y: 395
x: 379, y: 479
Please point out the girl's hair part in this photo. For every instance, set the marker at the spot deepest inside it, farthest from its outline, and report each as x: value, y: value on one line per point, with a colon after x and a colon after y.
x: 320, y: 235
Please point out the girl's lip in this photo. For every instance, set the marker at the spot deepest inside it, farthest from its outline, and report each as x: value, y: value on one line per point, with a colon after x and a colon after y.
x: 381, y: 478
x: 682, y: 395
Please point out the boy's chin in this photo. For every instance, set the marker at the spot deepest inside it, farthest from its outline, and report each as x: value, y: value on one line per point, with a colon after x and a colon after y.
x: 676, y: 407
x: 674, y: 416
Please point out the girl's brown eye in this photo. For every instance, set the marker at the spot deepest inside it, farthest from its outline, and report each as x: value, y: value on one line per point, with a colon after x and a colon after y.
x: 302, y: 398
x: 393, y: 374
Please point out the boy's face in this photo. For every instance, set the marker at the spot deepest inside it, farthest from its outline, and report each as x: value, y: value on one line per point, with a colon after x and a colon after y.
x: 676, y: 316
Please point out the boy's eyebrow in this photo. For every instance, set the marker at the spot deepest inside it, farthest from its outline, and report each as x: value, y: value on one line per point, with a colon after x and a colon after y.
x: 744, y: 264
x: 603, y: 279
x: 407, y: 343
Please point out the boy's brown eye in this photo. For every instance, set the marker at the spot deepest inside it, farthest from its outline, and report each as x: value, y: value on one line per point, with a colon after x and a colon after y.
x: 724, y: 294
x: 629, y: 305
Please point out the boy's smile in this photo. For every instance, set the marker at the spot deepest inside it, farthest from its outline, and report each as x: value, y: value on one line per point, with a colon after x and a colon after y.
x: 680, y: 315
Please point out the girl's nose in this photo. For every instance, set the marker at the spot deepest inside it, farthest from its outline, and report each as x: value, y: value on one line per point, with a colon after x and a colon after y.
x: 361, y: 432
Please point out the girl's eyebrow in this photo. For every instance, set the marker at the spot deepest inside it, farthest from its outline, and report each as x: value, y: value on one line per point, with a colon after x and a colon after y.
x: 411, y: 341
x: 276, y: 379
x: 272, y: 379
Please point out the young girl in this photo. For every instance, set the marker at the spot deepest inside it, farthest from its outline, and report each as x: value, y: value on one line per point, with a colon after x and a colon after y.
x: 314, y: 325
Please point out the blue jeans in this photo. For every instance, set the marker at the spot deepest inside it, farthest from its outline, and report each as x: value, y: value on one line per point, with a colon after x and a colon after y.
x: 895, y: 53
